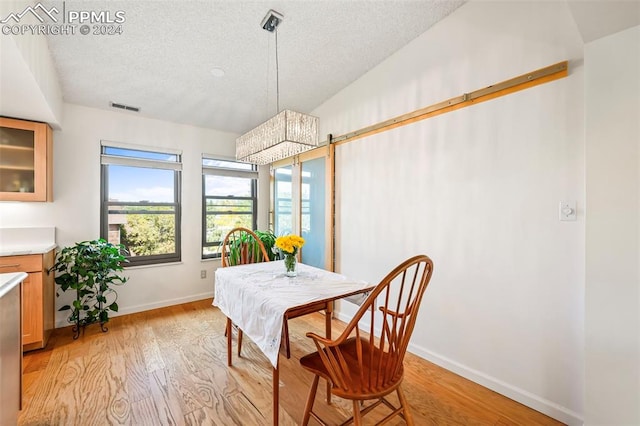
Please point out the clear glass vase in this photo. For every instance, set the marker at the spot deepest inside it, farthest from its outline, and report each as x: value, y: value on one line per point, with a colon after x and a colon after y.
x: 290, y: 265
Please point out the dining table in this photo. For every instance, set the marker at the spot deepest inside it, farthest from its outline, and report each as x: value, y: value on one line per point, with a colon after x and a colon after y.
x: 259, y: 299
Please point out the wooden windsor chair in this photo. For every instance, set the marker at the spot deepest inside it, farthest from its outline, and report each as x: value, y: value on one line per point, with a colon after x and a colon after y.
x: 366, y: 361
x: 241, y: 246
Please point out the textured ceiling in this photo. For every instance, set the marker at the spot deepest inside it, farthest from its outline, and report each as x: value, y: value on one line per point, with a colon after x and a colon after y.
x: 162, y: 62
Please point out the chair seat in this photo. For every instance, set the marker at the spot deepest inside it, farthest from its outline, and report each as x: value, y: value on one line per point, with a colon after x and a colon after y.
x: 368, y: 382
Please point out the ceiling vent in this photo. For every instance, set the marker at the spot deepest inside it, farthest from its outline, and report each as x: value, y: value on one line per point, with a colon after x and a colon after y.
x: 125, y: 107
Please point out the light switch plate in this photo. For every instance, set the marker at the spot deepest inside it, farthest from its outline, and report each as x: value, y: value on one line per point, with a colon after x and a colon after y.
x: 567, y: 211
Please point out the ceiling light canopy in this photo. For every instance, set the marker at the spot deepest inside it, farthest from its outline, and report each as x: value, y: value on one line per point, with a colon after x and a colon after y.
x: 217, y: 72
x: 288, y: 133
x: 271, y: 21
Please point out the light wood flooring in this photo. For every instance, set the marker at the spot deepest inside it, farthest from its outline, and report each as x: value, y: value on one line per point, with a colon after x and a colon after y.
x: 168, y: 367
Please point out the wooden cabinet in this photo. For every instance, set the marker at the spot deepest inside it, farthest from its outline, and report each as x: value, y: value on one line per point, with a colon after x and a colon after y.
x: 38, y: 296
x: 26, y: 160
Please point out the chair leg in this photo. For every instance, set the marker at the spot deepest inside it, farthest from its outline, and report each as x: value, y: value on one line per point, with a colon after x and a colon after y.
x: 405, y: 407
x: 239, y: 341
x: 228, y: 332
x: 357, y: 417
x: 285, y: 331
x: 310, y: 400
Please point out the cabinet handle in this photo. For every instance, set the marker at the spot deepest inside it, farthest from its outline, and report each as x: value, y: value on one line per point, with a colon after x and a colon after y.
x: 13, y: 265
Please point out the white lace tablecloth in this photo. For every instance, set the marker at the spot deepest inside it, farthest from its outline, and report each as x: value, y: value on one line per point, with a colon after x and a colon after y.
x: 256, y: 297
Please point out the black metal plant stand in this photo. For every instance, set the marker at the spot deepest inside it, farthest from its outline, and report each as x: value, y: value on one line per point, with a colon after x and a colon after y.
x: 77, y: 328
x: 80, y: 325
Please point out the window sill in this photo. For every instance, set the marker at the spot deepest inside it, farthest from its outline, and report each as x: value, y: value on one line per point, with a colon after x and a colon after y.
x: 153, y: 265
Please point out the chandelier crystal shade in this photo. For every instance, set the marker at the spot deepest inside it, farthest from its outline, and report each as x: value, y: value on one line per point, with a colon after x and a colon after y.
x: 287, y: 134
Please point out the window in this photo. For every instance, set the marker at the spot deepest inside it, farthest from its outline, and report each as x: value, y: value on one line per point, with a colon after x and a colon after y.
x: 283, y: 201
x: 141, y: 202
x: 229, y: 190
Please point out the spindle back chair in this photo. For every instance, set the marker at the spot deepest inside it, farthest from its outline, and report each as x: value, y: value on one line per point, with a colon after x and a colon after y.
x: 241, y: 246
x: 366, y: 361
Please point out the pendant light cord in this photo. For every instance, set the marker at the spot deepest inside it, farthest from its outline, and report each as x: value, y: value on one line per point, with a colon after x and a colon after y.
x: 277, y: 76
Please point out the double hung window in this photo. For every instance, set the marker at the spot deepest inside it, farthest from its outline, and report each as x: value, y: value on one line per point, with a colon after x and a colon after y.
x: 229, y: 191
x: 141, y: 202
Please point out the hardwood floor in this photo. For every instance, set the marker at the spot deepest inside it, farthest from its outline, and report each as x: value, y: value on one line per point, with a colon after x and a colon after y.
x: 168, y: 367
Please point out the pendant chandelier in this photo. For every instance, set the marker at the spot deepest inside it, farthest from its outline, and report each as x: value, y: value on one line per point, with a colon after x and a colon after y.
x: 286, y: 134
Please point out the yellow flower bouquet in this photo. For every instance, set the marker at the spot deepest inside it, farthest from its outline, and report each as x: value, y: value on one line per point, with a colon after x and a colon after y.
x: 289, y: 245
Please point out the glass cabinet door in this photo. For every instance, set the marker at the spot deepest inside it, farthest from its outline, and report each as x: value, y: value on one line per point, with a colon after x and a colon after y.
x: 25, y: 160
x: 17, y: 160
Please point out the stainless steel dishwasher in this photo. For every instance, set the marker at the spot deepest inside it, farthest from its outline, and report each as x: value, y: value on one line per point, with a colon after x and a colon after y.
x: 10, y: 347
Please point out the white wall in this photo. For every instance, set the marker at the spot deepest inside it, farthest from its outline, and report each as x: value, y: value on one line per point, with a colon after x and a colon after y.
x: 478, y: 191
x: 612, y: 317
x: 28, y: 79
x: 75, y: 211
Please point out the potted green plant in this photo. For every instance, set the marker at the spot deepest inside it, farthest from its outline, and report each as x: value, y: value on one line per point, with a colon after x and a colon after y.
x: 91, y: 269
x: 268, y: 239
x: 244, y: 246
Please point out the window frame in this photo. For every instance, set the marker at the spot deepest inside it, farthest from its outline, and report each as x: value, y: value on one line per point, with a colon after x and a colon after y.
x: 229, y: 172
x: 106, y: 206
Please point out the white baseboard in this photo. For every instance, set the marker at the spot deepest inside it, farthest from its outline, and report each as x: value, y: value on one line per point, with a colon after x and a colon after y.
x: 62, y: 322
x: 535, y: 402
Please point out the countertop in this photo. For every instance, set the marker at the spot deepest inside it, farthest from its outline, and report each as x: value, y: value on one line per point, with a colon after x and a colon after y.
x: 18, y: 250
x: 10, y: 280
x: 32, y: 240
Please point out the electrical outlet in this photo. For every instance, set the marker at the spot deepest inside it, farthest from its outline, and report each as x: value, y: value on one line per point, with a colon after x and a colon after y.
x: 203, y: 273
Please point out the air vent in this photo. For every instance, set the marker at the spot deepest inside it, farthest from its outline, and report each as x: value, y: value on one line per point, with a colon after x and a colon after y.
x: 125, y: 107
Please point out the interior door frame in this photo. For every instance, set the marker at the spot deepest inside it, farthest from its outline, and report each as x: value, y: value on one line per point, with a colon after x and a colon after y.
x: 327, y: 151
